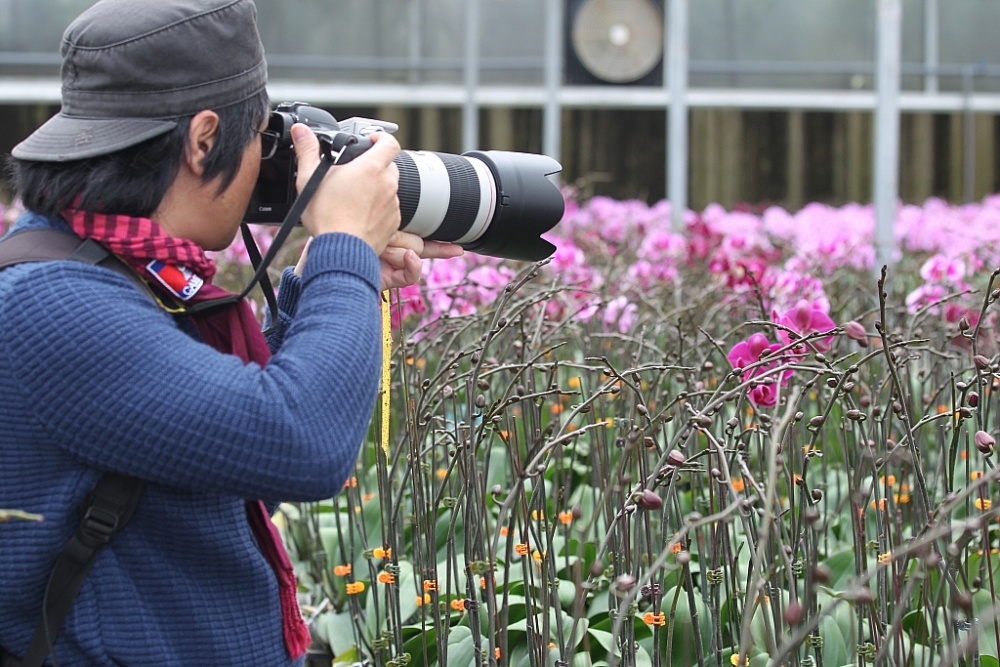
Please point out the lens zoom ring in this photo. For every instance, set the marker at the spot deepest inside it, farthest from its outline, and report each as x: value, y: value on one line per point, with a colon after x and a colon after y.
x: 409, y: 187
x: 465, y: 193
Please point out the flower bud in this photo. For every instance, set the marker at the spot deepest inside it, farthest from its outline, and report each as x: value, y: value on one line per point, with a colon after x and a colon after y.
x: 964, y: 325
x: 981, y: 362
x: 648, y: 500
x: 984, y: 442
x: 817, y: 421
x: 625, y: 582
x: 963, y: 601
x: 676, y: 458
x: 972, y: 398
x: 793, y: 613
x: 861, y: 595
x: 856, y: 332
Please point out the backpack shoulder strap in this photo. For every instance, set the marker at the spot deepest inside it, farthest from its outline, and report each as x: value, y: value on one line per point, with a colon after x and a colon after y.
x: 48, y: 245
x: 108, y: 509
x: 113, y: 501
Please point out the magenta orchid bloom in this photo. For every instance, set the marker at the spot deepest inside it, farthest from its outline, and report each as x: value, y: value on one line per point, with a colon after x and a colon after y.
x: 805, y: 319
x: 749, y: 352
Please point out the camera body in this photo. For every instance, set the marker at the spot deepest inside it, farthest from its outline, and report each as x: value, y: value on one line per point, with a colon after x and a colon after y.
x: 275, y: 190
x: 495, y: 203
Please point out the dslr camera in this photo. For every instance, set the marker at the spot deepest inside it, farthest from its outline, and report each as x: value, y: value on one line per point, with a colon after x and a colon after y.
x: 495, y: 203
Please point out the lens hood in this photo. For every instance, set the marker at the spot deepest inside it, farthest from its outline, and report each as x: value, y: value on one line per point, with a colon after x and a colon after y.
x: 528, y: 205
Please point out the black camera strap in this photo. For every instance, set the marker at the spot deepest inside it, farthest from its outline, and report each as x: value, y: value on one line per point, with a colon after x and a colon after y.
x: 265, y: 280
x: 260, y: 275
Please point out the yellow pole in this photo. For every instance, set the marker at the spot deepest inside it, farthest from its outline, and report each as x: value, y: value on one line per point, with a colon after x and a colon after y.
x: 386, y: 354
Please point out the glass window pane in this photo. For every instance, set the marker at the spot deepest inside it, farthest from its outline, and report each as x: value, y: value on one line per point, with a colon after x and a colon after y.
x: 819, y: 43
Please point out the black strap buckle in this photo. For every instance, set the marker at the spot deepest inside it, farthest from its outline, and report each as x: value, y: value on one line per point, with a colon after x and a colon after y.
x: 99, y: 525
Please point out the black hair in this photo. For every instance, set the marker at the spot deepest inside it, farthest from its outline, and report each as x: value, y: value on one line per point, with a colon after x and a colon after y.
x: 133, y: 181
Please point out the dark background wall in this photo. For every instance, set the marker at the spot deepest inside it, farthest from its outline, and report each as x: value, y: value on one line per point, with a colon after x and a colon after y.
x: 753, y: 157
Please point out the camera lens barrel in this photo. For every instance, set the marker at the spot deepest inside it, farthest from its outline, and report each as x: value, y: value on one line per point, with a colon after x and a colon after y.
x: 444, y: 197
x: 491, y: 202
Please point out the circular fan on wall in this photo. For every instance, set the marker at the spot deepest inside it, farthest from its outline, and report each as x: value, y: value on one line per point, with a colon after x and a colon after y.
x: 618, y: 40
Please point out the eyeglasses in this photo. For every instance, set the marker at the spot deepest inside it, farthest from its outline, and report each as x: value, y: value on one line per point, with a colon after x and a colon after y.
x: 268, y: 143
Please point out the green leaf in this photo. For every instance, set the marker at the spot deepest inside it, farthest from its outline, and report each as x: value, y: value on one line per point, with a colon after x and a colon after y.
x: 605, y: 639
x: 988, y: 661
x: 415, y: 647
x: 348, y: 657
x: 842, y: 569
x: 986, y: 607
x: 461, y: 648
x: 567, y: 593
x: 338, y: 630
x: 837, y: 645
x: 642, y: 658
x: 682, y: 650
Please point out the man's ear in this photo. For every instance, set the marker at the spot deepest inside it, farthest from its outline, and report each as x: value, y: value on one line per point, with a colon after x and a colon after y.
x: 202, y: 134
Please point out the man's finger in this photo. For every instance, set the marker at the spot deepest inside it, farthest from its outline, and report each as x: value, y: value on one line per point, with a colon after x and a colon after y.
x: 306, y: 148
x: 440, y: 250
x: 400, y: 268
x: 385, y: 148
x: 394, y: 257
x: 412, y: 267
x: 408, y: 241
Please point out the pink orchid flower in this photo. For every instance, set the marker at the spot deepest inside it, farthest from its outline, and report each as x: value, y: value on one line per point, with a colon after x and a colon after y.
x: 805, y: 319
x: 749, y: 352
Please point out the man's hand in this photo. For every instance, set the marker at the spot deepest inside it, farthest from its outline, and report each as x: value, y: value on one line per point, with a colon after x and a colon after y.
x: 401, y: 260
x: 357, y: 198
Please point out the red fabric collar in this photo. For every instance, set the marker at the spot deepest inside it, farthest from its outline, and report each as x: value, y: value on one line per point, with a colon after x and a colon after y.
x: 139, y: 241
x: 232, y: 330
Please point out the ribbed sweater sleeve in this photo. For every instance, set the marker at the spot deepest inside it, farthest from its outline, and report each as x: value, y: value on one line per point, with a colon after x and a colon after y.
x: 117, y: 385
x: 289, y: 291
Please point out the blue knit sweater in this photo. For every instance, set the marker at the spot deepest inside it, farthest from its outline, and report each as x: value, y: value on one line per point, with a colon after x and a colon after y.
x: 94, y: 377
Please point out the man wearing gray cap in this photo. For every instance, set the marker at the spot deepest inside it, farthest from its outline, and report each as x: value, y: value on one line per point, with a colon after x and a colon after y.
x: 122, y: 404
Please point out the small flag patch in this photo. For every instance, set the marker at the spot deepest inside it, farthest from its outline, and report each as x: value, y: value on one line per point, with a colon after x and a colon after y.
x: 181, y: 281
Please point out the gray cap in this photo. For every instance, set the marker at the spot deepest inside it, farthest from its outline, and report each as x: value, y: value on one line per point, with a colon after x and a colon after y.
x: 132, y: 67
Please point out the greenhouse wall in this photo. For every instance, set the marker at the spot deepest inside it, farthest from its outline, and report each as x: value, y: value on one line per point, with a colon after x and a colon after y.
x: 781, y: 92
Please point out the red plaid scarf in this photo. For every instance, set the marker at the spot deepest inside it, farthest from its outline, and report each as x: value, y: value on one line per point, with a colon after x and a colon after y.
x: 232, y: 330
